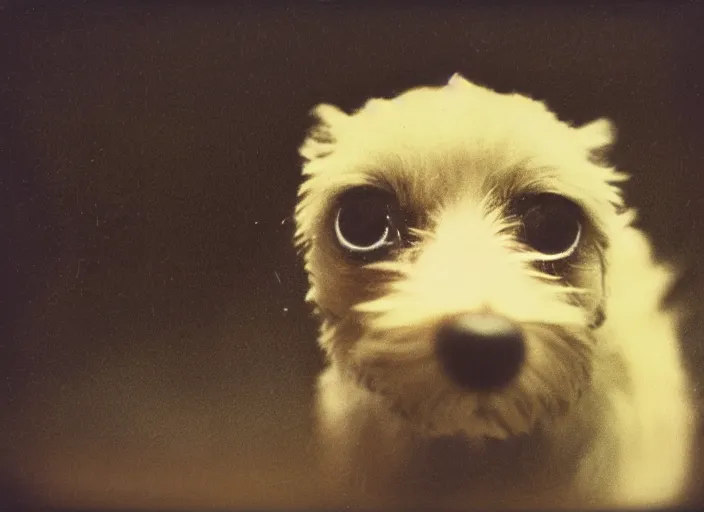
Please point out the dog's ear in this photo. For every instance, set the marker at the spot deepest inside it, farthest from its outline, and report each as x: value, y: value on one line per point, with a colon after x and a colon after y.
x: 322, y: 136
x: 597, y: 137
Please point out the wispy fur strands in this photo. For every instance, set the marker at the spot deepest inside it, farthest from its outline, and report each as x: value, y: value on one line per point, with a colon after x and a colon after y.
x: 599, y: 406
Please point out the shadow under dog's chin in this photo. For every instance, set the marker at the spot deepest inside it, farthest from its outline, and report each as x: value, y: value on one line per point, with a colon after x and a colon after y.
x: 455, y: 466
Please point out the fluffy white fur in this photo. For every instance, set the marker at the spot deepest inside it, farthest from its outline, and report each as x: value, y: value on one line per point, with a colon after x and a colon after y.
x: 597, y: 417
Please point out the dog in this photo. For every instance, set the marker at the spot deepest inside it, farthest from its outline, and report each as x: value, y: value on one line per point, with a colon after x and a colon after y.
x: 493, y: 323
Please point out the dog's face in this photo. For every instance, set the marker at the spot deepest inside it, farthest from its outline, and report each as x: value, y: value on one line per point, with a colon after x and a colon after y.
x: 455, y: 244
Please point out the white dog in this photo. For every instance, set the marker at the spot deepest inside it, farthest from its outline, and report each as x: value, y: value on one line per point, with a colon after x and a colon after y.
x: 493, y: 323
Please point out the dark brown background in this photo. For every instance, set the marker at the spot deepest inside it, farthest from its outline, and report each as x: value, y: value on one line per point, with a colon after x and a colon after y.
x: 155, y: 347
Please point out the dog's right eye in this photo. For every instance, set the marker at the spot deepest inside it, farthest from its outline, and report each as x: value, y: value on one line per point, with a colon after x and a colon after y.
x: 365, y: 222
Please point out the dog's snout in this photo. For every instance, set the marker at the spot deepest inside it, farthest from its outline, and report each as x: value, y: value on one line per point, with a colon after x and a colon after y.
x: 480, y: 351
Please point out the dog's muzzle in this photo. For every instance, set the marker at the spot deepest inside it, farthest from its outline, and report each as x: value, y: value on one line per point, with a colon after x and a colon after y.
x: 480, y: 352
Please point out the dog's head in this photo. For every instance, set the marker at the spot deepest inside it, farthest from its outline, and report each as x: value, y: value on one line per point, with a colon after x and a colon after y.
x: 454, y: 240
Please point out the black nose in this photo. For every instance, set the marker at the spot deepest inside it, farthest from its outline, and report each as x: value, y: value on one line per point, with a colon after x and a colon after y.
x: 481, y: 351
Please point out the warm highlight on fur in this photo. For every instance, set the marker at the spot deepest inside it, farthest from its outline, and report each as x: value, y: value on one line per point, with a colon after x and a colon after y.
x: 599, y: 414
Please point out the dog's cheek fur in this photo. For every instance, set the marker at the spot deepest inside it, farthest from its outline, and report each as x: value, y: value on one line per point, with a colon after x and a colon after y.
x: 337, y: 286
x: 646, y: 393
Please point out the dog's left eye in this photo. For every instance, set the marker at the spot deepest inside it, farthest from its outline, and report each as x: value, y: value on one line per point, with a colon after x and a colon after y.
x: 551, y: 224
x: 365, y: 222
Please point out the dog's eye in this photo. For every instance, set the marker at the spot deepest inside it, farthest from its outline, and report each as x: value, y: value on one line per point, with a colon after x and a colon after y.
x: 364, y: 223
x: 550, y: 224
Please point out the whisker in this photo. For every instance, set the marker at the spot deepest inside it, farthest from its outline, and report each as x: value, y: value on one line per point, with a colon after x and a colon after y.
x: 422, y: 233
x: 397, y: 352
x: 525, y: 408
x: 563, y: 343
x: 542, y: 275
x: 392, y: 267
